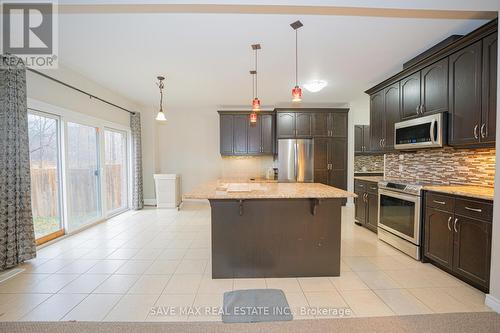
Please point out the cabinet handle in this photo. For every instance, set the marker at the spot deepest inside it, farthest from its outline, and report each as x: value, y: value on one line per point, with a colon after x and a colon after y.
x: 455, y: 225
x: 449, y: 221
x: 373, y: 188
x: 383, y: 142
x: 365, y: 195
x: 439, y: 202
x: 422, y: 109
x: 483, y: 131
x: 478, y: 210
x: 380, y: 143
x: 418, y: 109
x: 476, y: 136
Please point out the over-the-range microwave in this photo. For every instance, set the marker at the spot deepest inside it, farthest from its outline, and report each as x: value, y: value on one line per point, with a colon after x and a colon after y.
x: 424, y: 132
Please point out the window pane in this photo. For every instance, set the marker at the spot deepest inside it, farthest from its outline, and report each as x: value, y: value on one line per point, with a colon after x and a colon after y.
x: 83, y: 175
x: 116, y: 170
x: 44, y: 167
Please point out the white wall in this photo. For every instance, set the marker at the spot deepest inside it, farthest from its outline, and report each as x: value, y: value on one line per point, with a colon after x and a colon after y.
x: 53, y: 93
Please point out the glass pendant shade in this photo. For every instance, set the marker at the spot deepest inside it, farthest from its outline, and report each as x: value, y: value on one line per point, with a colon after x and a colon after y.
x: 255, y: 104
x: 161, y: 116
x: 296, y: 94
x: 253, y: 118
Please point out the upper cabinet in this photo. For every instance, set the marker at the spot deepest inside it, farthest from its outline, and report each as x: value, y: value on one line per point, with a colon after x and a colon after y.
x: 361, y: 139
x: 309, y: 123
x: 239, y: 137
x: 459, y: 78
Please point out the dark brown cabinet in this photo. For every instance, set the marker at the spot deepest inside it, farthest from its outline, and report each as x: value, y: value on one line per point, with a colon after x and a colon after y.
x: 489, y: 93
x: 459, y: 79
x: 366, y: 204
x: 361, y: 139
x: 410, y: 96
x: 330, y: 161
x: 320, y: 121
x: 338, y: 124
x: 285, y: 124
x: 457, y: 236
x: 239, y: 137
x: 311, y: 123
x: 391, y: 115
x: 303, y: 124
x: 465, y: 95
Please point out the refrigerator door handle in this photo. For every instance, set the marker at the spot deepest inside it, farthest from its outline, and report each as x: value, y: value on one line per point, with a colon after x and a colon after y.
x: 296, y: 158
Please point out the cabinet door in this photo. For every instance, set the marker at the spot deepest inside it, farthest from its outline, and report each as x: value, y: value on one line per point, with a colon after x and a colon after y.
x: 438, y: 241
x: 240, y: 123
x: 366, y: 138
x: 465, y: 95
x: 471, y: 257
x: 489, y: 92
x: 410, y: 96
x: 303, y: 124
x: 338, y: 163
x: 360, y: 207
x: 376, y: 120
x: 321, y: 169
x: 319, y: 124
x: 358, y: 138
x: 434, y: 87
x: 372, y: 211
x: 391, y: 116
x: 286, y: 124
x: 255, y: 137
x: 338, y: 124
x: 226, y: 134
x: 267, y: 134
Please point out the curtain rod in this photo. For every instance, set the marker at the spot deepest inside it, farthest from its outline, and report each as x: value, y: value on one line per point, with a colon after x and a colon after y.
x: 79, y: 90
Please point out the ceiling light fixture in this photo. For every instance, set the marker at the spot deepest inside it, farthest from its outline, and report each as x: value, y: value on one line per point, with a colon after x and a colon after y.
x: 161, y: 115
x: 296, y: 91
x: 255, y: 101
x: 315, y: 85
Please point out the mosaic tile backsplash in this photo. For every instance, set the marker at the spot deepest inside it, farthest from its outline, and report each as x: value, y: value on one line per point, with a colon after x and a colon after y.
x: 444, y: 166
x: 368, y: 163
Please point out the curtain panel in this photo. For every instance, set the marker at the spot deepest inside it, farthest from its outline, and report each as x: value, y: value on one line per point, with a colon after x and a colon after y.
x: 137, y: 191
x: 17, y: 237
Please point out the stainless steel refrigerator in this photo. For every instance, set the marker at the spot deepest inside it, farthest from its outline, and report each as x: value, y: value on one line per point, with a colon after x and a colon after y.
x: 296, y: 160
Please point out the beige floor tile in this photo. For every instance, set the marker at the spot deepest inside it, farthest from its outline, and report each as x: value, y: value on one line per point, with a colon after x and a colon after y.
x: 93, y: 308
x: 299, y: 306
x: 162, y: 267
x: 348, y: 281
x: 378, y: 280
x: 183, y: 284
x: 285, y: 284
x: 360, y: 264
x: 116, y: 284
x: 438, y: 300
x: 172, y: 307
x: 14, y: 306
x: 54, y: 308
x: 147, y: 254
x: 132, y: 308
x: 172, y: 254
x: 402, y: 302
x: 20, y: 282
x: 215, y: 286
x: 240, y: 284
x: 192, y: 266
x: 134, y: 267
x: 84, y: 284
x: 469, y: 296
x: 316, y: 284
x: 365, y: 303
x: 325, y: 299
x: 78, y: 266
x: 411, y: 278
x: 106, y: 266
x: 150, y: 284
x: 123, y: 254
x: 52, y: 284
x: 207, y: 307
x: 197, y: 254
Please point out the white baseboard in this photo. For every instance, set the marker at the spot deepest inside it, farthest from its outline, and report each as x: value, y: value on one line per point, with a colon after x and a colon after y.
x: 150, y: 202
x: 493, y: 303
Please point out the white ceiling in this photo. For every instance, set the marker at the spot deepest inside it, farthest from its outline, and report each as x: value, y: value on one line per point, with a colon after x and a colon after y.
x: 206, y: 57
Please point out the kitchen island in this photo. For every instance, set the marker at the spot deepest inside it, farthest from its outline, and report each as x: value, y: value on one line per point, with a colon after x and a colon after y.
x: 274, y: 229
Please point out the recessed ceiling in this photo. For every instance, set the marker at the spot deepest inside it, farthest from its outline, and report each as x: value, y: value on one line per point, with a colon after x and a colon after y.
x: 206, y: 57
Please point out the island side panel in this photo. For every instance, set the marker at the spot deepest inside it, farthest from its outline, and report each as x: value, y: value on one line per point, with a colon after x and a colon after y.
x: 275, y: 238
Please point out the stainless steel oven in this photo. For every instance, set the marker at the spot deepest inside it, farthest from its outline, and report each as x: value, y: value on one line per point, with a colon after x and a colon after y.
x: 399, y: 220
x: 424, y: 132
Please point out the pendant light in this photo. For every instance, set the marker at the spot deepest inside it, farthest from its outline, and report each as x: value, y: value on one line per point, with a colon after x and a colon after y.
x: 255, y: 107
x: 296, y: 91
x: 255, y: 101
x: 161, y: 115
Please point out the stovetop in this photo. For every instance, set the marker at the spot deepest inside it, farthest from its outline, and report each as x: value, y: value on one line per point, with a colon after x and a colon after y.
x: 410, y: 187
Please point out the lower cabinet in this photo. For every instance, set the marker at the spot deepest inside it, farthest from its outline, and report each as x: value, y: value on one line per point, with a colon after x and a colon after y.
x: 366, y: 204
x: 457, y: 237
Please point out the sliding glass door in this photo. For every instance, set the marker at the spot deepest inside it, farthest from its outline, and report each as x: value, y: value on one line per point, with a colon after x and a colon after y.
x: 115, y: 152
x: 82, y: 175
x: 44, y: 143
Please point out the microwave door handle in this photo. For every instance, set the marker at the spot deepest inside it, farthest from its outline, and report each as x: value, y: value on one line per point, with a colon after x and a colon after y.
x: 433, y: 127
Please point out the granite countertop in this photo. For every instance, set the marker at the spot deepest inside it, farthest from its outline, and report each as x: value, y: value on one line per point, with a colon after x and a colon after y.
x: 247, y: 180
x: 374, y: 179
x: 478, y: 192
x: 218, y: 190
